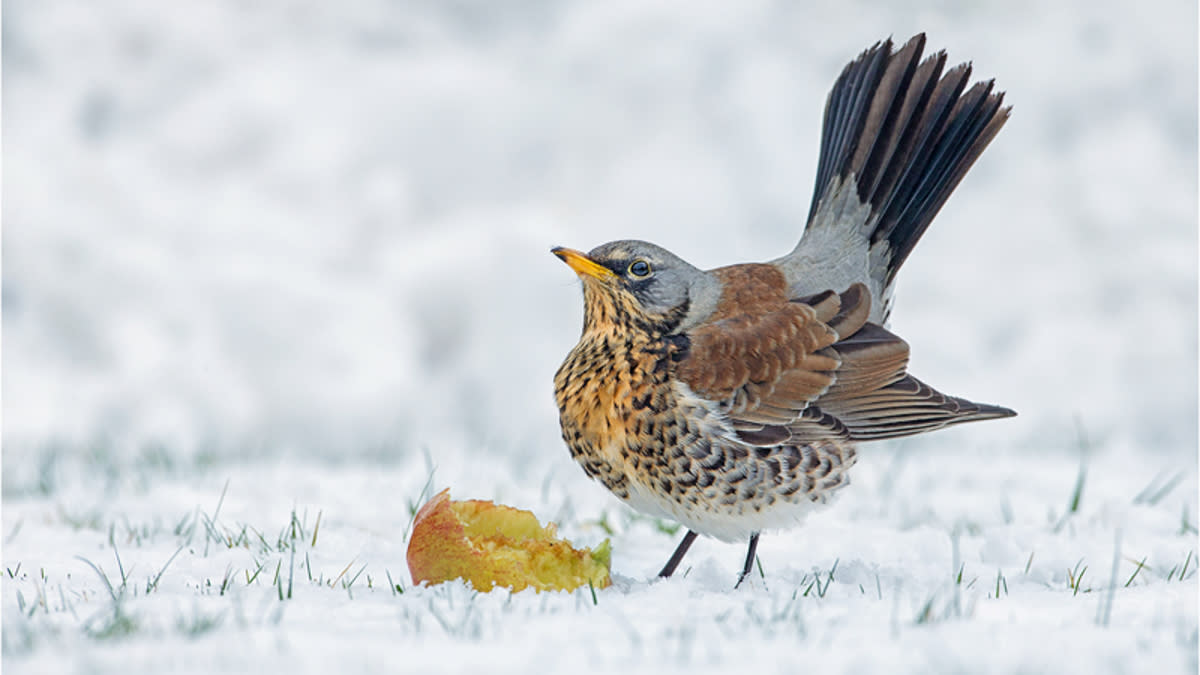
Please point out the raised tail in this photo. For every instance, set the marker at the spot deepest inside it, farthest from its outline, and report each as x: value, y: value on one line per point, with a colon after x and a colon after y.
x: 898, y: 136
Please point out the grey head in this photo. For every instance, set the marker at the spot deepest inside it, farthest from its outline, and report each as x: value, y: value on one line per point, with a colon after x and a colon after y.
x: 644, y: 279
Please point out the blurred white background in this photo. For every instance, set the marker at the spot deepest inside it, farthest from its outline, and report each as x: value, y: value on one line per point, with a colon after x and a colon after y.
x: 322, y: 229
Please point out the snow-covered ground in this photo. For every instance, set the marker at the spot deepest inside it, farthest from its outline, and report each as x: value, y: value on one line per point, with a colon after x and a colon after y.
x: 268, y: 264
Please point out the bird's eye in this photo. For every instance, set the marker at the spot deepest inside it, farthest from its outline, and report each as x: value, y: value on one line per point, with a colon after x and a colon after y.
x: 639, y: 268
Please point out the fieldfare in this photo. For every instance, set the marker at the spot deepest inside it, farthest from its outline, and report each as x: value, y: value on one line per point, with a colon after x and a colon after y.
x: 731, y: 400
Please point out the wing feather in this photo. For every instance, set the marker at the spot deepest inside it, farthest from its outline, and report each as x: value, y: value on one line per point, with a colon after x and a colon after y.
x: 791, y: 370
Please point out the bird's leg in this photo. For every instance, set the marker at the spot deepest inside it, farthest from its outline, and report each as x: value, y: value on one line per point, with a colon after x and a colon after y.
x: 677, y: 556
x: 750, y: 557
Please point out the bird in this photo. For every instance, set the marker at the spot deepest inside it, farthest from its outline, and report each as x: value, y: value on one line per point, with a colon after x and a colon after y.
x: 732, y: 400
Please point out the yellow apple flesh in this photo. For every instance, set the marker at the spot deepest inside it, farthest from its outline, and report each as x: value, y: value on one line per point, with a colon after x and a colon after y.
x: 491, y: 545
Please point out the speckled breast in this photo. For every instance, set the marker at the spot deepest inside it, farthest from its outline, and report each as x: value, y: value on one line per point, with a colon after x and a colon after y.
x: 670, y: 453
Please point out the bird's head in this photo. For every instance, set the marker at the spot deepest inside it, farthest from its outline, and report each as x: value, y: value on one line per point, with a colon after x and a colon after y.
x: 640, y: 285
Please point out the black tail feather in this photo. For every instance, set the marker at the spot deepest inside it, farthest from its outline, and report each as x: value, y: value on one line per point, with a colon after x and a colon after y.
x: 908, y: 134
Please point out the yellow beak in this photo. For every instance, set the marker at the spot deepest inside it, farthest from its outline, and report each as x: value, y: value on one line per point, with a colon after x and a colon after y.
x: 583, y: 265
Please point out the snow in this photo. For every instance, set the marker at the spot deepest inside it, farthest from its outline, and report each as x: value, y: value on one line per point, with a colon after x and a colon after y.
x: 274, y: 258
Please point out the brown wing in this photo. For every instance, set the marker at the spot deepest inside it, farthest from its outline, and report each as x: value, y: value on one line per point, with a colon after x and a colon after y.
x: 796, y: 370
x: 906, y: 407
x: 767, y: 358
